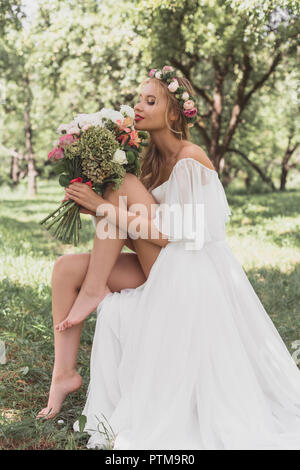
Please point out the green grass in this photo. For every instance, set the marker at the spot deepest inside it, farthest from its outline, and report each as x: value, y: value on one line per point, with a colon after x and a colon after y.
x: 263, y: 234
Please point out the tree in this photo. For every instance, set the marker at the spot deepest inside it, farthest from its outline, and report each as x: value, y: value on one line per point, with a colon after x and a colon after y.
x: 229, y: 50
x: 15, y: 49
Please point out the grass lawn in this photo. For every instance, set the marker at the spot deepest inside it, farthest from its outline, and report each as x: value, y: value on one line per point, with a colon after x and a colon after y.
x: 263, y: 233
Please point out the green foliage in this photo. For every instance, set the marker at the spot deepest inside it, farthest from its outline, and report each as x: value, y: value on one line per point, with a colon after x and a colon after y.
x: 82, y: 55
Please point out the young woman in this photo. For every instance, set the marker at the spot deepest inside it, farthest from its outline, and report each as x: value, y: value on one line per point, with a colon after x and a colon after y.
x: 184, y: 355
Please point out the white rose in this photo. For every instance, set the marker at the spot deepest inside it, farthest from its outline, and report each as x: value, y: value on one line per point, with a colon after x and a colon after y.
x: 120, y: 157
x: 62, y: 127
x: 173, y: 86
x: 70, y: 126
x: 111, y: 114
x: 93, y: 119
x: 158, y: 74
x: 127, y: 111
x: 185, y: 96
x: 86, y: 126
x: 74, y: 130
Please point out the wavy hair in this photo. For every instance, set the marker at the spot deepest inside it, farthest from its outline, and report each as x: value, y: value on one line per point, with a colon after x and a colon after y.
x: 152, y: 161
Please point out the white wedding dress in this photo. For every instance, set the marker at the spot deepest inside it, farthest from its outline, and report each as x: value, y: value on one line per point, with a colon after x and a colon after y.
x: 190, y: 359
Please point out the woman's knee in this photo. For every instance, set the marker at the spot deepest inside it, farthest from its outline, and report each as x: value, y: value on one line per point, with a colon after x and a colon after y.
x: 70, y: 266
x: 128, y: 181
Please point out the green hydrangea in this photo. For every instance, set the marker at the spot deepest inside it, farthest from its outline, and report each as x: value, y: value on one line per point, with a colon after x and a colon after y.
x: 98, y: 146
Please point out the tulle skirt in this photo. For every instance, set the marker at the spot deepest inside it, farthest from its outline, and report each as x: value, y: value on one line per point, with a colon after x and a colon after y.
x: 191, y: 360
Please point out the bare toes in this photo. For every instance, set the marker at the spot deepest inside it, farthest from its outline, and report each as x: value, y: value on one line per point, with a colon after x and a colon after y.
x: 61, y: 326
x: 44, y: 413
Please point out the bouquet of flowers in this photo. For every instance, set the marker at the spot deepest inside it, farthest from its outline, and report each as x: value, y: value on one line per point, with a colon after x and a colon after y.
x: 95, y: 149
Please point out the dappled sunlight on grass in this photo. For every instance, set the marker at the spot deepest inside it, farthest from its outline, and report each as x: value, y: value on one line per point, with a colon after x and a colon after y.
x: 9, y: 415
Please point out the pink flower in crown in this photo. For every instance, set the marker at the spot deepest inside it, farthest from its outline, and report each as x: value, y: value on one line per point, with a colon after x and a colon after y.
x: 190, y: 112
x: 189, y: 104
x: 152, y: 73
x: 56, y: 154
x: 66, y: 139
x: 173, y: 85
x: 167, y: 68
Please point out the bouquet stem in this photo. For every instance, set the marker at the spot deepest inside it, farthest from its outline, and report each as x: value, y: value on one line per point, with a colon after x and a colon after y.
x: 67, y: 218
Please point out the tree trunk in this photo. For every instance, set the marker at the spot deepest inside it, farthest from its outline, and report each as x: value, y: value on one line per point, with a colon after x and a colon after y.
x: 32, y: 173
x: 285, y: 166
x: 216, y: 148
x: 228, y: 172
x: 247, y: 181
x: 14, y: 170
x: 261, y: 173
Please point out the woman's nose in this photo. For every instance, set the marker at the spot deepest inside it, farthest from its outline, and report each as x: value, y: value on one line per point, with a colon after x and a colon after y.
x: 138, y: 107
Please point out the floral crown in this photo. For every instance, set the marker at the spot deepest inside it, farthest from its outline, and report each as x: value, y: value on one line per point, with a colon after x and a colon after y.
x: 186, y: 101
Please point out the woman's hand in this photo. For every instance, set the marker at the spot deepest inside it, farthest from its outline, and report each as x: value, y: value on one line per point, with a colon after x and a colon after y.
x: 85, y: 196
x: 86, y: 211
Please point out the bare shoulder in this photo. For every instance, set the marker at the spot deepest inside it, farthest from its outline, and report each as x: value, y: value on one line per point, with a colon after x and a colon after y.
x: 194, y: 151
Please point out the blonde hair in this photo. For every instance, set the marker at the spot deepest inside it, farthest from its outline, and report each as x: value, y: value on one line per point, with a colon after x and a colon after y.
x: 151, y: 161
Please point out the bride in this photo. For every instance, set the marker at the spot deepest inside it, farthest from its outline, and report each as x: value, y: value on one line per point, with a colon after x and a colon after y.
x: 184, y: 354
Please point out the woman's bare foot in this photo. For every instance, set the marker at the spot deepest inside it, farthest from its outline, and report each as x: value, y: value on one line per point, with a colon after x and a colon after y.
x: 60, y: 388
x: 86, y: 303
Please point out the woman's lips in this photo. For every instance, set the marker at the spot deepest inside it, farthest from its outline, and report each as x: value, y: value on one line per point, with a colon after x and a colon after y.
x: 138, y: 118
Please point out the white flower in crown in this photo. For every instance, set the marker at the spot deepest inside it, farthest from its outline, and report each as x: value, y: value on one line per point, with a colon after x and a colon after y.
x: 185, y: 96
x: 127, y: 111
x: 158, y: 74
x: 120, y: 157
x: 173, y: 85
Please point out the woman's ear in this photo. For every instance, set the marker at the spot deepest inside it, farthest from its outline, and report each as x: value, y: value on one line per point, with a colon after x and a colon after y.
x: 174, y: 115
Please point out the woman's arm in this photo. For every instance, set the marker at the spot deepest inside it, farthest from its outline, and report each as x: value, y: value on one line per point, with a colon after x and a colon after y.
x: 128, y: 241
x: 124, y: 219
x: 115, y: 215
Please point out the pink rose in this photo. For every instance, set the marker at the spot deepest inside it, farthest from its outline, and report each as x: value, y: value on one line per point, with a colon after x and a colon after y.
x: 56, y: 154
x: 66, y: 140
x: 167, y: 68
x: 152, y: 73
x: 189, y: 104
x: 185, y: 96
x: 190, y: 112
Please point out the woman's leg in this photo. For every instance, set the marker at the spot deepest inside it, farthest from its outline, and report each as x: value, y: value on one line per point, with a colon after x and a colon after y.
x: 67, y: 277
x: 105, y: 252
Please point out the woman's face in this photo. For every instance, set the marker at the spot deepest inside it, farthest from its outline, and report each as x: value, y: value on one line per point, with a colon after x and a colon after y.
x: 151, y: 108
